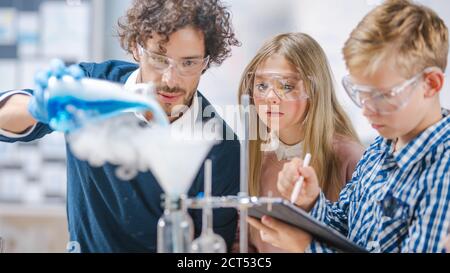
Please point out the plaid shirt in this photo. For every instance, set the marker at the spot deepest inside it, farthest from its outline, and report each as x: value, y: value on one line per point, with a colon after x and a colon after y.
x: 396, y: 201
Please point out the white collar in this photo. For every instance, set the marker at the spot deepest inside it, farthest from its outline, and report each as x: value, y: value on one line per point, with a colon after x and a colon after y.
x: 186, y: 119
x: 284, y: 151
x: 132, y: 80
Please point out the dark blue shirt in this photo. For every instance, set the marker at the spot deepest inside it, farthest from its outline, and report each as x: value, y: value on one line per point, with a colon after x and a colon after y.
x: 106, y: 214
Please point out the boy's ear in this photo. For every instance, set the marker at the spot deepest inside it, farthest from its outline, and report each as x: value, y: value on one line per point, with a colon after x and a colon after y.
x: 434, y: 81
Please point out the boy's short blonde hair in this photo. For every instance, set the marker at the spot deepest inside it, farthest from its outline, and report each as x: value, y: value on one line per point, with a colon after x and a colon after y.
x: 411, y: 35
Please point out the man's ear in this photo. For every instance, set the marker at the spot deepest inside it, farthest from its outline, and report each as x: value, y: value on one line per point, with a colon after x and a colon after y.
x: 434, y: 81
x: 136, y: 53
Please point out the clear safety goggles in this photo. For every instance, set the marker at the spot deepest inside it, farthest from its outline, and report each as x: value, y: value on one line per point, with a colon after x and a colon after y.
x: 286, y: 86
x: 185, y: 67
x: 383, y: 101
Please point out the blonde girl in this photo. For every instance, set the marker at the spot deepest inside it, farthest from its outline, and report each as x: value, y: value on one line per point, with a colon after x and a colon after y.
x: 291, y: 86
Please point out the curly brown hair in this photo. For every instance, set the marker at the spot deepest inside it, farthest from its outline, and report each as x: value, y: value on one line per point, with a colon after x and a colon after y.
x: 164, y: 17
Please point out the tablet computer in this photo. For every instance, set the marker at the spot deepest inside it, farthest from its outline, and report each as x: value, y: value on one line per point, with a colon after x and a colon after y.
x: 287, y: 212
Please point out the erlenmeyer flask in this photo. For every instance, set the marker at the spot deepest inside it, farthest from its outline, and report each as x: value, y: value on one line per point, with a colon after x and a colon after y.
x: 72, y: 103
x: 2, y: 247
x: 175, y: 229
x: 208, y: 241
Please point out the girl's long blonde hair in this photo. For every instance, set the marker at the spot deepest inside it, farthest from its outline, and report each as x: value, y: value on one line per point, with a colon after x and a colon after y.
x: 325, y: 118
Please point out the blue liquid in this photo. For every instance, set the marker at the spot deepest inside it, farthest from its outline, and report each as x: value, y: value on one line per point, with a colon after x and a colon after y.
x: 68, y: 113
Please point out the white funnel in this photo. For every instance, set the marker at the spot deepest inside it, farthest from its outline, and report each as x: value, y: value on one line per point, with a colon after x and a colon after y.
x: 178, y: 158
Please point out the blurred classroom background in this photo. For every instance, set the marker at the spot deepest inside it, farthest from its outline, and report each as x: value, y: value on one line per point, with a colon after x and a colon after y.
x: 32, y: 32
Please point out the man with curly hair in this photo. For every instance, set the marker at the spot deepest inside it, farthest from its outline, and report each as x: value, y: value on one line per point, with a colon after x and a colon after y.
x: 174, y: 43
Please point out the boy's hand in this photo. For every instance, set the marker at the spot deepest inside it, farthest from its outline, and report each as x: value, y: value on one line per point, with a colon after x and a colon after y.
x: 288, y: 177
x: 281, y: 235
x: 37, y: 106
x: 447, y: 244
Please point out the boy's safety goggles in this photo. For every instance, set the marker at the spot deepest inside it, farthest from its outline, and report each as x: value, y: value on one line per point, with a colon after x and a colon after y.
x: 383, y: 101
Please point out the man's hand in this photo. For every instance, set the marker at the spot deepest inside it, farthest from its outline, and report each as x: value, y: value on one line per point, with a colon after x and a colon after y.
x: 37, y: 106
x: 289, y: 175
x: 281, y: 235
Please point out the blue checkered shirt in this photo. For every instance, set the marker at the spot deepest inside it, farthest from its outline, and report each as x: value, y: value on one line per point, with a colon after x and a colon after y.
x: 396, y: 201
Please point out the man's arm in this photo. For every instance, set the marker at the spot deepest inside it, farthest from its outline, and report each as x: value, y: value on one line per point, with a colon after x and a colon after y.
x: 24, y: 113
x: 14, y: 115
x: 16, y: 123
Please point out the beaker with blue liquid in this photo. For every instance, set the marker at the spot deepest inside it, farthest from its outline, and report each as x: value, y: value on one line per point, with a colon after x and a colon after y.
x: 72, y: 103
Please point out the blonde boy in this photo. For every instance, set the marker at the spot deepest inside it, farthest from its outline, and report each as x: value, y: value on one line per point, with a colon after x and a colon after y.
x: 399, y: 197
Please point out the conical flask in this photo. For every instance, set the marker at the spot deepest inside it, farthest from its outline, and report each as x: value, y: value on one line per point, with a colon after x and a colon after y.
x: 208, y: 241
x: 73, y: 103
x: 175, y: 229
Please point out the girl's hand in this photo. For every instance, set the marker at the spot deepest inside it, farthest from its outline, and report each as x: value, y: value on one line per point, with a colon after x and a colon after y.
x: 281, y: 235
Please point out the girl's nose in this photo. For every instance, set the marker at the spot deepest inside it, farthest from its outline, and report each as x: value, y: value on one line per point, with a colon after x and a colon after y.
x: 272, y: 97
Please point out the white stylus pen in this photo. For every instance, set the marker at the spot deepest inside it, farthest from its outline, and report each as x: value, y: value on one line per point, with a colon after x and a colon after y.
x: 299, y: 183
